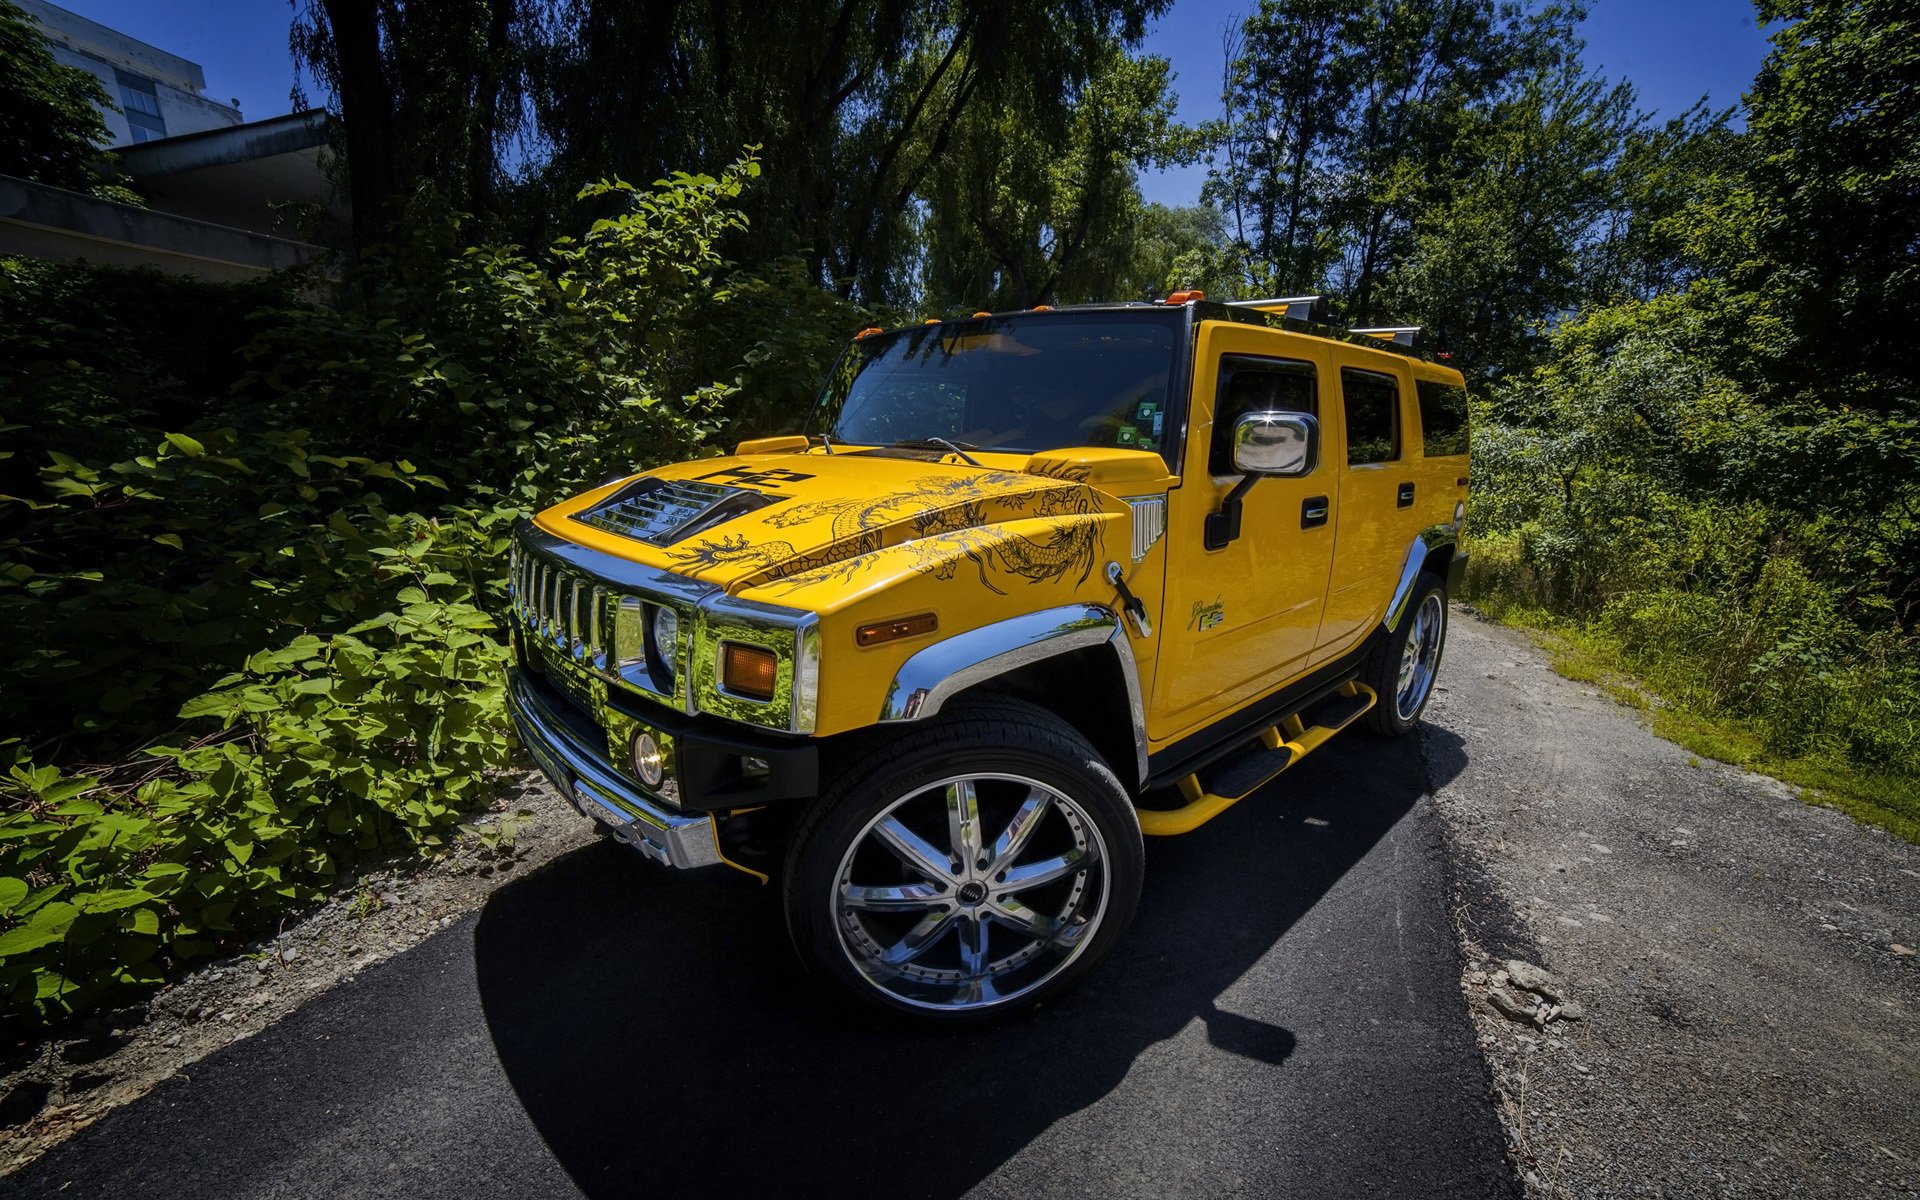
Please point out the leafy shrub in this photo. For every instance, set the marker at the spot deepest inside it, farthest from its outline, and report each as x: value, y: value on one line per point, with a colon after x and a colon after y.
x: 378, y: 736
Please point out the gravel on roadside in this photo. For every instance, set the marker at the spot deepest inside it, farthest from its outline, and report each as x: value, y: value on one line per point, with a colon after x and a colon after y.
x: 53, y: 1086
x: 1686, y: 980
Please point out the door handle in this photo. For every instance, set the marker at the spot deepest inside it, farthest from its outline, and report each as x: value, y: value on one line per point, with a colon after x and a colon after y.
x: 1313, y: 512
x: 1406, y: 495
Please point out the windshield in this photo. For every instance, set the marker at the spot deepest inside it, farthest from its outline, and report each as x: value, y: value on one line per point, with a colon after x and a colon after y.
x: 1040, y: 381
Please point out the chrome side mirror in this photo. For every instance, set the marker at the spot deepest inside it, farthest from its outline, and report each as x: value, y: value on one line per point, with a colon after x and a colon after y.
x: 1265, y: 444
x: 1276, y: 443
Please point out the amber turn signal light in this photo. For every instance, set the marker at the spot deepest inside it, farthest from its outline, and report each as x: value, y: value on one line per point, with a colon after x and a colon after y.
x: 887, y: 631
x: 748, y: 670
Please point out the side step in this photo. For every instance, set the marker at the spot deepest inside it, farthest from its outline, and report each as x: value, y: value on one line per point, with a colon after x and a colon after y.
x: 1227, y: 783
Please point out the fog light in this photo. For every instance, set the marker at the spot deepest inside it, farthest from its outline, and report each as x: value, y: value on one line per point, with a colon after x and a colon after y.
x: 649, y: 764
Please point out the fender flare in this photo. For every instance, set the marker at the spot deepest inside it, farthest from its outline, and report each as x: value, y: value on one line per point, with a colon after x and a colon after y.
x: 1429, y: 540
x: 936, y: 673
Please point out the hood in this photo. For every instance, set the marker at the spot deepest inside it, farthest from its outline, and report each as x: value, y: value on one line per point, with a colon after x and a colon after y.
x: 755, y: 520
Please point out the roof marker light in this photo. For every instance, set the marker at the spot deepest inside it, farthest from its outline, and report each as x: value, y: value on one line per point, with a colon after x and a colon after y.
x: 869, y: 331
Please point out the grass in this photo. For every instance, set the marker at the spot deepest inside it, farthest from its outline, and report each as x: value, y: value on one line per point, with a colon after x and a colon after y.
x: 1884, y: 800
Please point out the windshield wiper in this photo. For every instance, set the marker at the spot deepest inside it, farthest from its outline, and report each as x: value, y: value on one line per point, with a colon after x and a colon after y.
x: 959, y: 448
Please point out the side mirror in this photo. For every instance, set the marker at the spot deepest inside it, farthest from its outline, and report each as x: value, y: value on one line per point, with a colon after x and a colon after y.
x: 1276, y: 443
x: 1280, y: 444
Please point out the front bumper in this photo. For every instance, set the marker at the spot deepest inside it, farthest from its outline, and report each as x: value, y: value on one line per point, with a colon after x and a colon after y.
x: 579, y: 769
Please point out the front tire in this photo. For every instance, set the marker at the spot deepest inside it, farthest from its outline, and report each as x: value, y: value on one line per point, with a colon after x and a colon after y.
x: 976, y: 865
x: 1401, y: 670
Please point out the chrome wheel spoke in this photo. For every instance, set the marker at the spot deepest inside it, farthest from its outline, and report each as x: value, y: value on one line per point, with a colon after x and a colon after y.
x: 920, y: 939
x: 1047, y: 870
x: 973, y: 945
x: 1019, y: 831
x: 902, y: 897
x: 912, y: 849
x: 1015, y: 915
x: 963, y: 824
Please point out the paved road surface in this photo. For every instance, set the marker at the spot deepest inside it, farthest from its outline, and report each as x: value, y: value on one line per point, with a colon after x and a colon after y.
x: 1283, y: 1020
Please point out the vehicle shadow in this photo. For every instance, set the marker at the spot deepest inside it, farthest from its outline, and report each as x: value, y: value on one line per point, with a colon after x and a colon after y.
x: 659, y: 1035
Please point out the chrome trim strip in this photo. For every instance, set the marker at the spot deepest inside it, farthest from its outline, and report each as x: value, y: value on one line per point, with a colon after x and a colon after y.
x: 585, y: 778
x: 926, y: 681
x: 631, y: 576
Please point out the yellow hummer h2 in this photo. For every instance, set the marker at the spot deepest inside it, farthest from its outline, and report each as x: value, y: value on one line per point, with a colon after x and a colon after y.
x: 1038, y: 584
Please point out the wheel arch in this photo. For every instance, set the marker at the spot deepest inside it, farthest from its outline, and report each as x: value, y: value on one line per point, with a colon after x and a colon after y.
x: 1433, y: 549
x: 1074, y: 661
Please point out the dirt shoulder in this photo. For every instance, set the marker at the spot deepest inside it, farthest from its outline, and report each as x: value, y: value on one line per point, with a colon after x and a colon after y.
x: 53, y: 1087
x: 1740, y: 1000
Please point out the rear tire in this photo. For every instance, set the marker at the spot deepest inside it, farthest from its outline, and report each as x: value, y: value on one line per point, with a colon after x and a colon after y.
x: 979, y: 863
x: 1402, y: 668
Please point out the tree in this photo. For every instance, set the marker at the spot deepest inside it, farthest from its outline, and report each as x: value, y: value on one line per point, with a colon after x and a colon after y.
x: 429, y: 95
x: 1179, y: 248
x: 1022, y: 212
x: 854, y: 104
x: 1834, y: 127
x: 51, y: 130
x: 1522, y: 231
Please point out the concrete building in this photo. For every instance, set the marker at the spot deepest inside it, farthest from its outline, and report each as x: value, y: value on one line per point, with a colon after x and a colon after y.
x: 159, y: 94
x: 226, y: 199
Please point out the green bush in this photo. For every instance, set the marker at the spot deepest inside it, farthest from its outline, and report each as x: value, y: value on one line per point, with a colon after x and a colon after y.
x: 1744, y: 562
x: 376, y: 737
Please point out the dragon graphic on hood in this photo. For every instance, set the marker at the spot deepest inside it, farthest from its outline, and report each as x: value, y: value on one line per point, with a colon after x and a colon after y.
x: 945, y: 520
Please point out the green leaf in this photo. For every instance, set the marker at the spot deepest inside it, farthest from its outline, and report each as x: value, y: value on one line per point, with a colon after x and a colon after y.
x: 12, y: 892
x: 186, y: 445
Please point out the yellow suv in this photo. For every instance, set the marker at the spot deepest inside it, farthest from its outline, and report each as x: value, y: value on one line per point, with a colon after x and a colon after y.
x: 1038, y: 584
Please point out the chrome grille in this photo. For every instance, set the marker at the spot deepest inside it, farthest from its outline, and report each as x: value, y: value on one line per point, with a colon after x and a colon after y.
x: 1149, y: 523
x: 663, y: 512
x: 566, y: 609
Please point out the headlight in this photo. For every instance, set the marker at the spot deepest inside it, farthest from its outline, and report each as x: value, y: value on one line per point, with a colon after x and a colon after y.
x: 666, y: 635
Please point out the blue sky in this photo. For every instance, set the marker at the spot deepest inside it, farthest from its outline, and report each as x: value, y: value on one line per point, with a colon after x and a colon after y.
x: 1673, y: 51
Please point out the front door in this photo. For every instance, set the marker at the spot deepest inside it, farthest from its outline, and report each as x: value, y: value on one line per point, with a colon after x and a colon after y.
x: 1241, y: 620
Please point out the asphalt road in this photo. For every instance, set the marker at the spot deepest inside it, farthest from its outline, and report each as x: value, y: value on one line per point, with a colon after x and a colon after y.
x: 1284, y: 1019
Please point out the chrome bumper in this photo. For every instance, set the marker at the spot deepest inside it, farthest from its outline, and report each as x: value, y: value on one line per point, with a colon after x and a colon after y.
x: 582, y: 774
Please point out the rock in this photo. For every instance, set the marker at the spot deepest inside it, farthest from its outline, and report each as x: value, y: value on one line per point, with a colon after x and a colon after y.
x: 171, y: 1041
x: 1508, y: 1005
x: 1536, y: 980
x: 289, y: 954
x: 1902, y: 951
x: 1571, y: 1010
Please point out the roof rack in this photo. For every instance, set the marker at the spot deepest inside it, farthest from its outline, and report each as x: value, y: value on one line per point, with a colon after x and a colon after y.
x: 1300, y: 308
x: 1399, y: 335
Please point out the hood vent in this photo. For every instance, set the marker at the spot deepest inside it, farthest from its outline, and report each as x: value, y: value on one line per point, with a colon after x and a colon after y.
x: 661, y: 512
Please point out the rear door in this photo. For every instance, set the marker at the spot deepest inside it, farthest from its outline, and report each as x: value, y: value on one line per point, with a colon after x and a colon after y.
x: 1377, y: 479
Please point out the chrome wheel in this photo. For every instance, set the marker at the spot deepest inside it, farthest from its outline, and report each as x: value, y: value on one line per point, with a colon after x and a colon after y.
x: 1420, y: 656
x: 971, y: 891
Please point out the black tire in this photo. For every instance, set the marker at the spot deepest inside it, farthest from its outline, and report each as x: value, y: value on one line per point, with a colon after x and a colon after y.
x: 1402, y: 700
x: 1056, y: 844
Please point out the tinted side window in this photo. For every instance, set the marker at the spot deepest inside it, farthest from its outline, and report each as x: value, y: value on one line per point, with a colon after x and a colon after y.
x: 1373, y: 415
x: 1250, y: 384
x: 1443, y: 418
